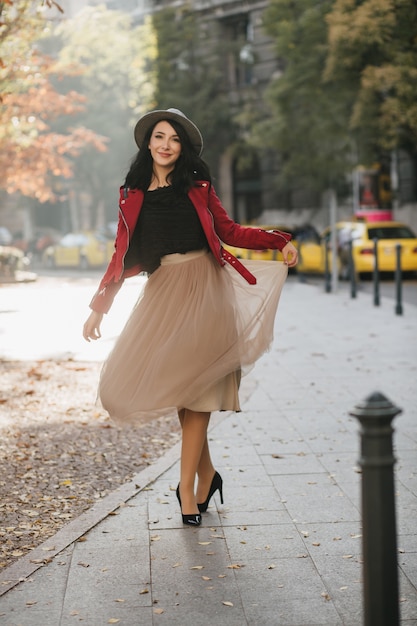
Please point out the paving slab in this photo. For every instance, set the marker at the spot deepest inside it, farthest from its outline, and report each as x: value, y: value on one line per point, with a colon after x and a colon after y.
x: 285, y: 547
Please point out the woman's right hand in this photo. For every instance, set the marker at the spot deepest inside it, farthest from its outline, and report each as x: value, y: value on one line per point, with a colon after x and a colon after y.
x: 91, y: 329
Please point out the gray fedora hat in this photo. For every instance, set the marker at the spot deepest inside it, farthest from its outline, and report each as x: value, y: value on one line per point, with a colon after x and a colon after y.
x: 151, y: 118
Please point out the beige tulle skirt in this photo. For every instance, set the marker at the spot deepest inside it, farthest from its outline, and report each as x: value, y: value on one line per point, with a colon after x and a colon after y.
x: 196, y: 328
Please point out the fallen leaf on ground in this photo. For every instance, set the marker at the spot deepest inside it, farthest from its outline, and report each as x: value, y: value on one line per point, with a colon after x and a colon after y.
x: 43, y: 436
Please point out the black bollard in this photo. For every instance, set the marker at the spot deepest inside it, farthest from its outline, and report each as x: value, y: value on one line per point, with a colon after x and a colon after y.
x: 379, y: 543
x: 301, y: 275
x: 352, y: 271
x: 376, y: 274
x: 398, y: 277
x: 327, y: 281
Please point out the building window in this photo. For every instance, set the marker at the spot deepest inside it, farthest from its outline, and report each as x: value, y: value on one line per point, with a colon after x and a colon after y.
x: 238, y: 30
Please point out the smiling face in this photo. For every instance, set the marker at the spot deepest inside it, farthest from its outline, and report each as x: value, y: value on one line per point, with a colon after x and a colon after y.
x: 164, y: 145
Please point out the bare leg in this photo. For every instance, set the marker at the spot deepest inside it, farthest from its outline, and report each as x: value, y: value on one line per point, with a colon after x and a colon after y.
x: 205, y: 468
x: 205, y: 473
x: 194, y: 438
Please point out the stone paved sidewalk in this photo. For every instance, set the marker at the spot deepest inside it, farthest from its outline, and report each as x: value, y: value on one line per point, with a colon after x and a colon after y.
x: 285, y: 548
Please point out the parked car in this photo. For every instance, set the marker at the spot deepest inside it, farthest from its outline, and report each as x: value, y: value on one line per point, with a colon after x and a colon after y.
x: 83, y: 250
x: 362, y: 235
x: 43, y: 238
x: 5, y: 236
x: 388, y: 234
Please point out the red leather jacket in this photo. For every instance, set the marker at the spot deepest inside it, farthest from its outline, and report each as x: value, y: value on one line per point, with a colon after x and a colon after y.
x: 217, y: 226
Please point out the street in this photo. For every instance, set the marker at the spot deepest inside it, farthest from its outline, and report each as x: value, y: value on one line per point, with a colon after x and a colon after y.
x: 387, y: 288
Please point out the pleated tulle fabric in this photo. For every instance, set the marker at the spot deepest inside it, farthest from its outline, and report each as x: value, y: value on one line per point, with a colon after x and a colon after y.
x: 196, y: 328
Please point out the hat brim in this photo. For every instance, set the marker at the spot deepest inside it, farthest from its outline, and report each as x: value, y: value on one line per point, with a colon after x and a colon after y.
x: 150, y: 119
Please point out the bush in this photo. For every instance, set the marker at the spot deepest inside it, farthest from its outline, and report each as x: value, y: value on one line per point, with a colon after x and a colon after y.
x: 11, y: 260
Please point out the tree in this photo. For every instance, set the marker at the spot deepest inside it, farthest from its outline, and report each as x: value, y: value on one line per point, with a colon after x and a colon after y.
x: 306, y: 127
x: 14, y: 14
x: 117, y: 86
x: 373, y: 51
x: 32, y: 156
x: 189, y: 70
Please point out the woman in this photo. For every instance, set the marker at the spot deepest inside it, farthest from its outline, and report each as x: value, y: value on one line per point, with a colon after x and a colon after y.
x: 198, y: 322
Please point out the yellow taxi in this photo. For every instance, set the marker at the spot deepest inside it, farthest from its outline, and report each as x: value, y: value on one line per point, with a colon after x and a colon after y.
x: 82, y: 250
x: 363, y: 235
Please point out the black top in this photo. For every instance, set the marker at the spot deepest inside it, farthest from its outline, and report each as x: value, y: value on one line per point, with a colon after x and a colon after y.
x: 168, y: 223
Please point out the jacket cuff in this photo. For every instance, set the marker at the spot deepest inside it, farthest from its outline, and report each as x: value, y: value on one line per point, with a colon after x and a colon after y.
x: 103, y: 298
x: 284, y: 238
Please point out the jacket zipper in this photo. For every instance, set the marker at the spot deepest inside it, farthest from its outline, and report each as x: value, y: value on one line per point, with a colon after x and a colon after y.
x: 214, y: 230
x: 125, y: 194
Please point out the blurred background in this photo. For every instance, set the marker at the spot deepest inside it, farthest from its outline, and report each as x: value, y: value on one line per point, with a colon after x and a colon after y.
x: 297, y: 102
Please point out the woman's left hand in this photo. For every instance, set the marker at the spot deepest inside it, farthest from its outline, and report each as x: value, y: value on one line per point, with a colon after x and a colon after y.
x: 290, y: 254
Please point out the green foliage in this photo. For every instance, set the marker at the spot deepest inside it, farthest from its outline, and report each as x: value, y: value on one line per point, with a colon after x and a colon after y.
x: 307, y: 127
x: 348, y: 91
x: 114, y: 79
x: 373, y: 49
x: 21, y: 25
x: 190, y: 75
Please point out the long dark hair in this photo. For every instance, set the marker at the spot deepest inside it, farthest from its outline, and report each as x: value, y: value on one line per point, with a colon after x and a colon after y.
x: 188, y: 168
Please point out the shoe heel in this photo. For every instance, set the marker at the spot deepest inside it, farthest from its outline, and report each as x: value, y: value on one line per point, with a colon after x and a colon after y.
x: 216, y: 484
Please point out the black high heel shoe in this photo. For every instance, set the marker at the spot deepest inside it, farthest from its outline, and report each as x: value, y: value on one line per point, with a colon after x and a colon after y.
x: 216, y: 484
x: 191, y: 520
